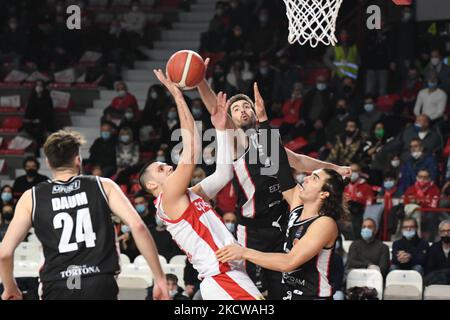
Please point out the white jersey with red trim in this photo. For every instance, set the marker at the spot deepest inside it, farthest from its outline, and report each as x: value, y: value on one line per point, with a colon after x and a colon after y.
x: 200, y: 232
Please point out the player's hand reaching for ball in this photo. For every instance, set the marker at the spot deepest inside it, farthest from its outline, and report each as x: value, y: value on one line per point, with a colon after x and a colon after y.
x: 259, y: 105
x: 13, y: 294
x: 230, y: 252
x: 165, y: 80
x: 219, y: 117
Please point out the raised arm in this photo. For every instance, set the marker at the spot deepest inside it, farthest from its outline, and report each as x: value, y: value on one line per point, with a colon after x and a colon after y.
x: 211, y: 185
x: 175, y: 200
x: 303, y: 163
x: 284, y: 173
x: 121, y: 207
x: 17, y: 230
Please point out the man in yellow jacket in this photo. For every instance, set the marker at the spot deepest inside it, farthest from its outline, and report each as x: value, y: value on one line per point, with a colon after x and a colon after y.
x: 343, y: 59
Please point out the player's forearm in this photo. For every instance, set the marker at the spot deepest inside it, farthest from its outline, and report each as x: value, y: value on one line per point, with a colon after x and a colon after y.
x: 280, y: 262
x: 207, y: 95
x: 189, y: 133
x: 303, y: 163
x: 147, y: 247
x: 6, y: 271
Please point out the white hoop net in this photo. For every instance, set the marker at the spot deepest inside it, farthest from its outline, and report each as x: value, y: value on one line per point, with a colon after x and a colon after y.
x: 312, y: 20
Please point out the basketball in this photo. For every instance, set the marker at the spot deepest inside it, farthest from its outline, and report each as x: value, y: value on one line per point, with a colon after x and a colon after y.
x: 186, y: 68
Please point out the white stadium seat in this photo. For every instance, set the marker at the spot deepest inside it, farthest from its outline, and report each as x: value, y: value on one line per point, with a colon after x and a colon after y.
x: 132, y: 288
x: 437, y: 292
x: 26, y: 269
x: 133, y: 270
x: 124, y: 260
x: 366, y: 278
x: 403, y: 285
x: 180, y: 260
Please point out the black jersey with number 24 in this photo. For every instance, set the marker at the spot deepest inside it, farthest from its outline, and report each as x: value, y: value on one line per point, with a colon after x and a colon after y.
x: 72, y: 219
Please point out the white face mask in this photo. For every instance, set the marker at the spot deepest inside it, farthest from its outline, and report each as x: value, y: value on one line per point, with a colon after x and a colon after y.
x: 416, y: 155
x: 153, y: 95
x: 435, y: 61
x: 121, y: 93
x: 354, y: 177
x: 395, y: 163
x: 230, y: 226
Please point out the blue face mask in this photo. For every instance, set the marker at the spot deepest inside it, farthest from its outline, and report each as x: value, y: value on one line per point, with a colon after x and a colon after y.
x: 230, y: 226
x: 369, y: 107
x: 125, y: 138
x: 106, y: 135
x: 366, y: 233
x: 6, y: 196
x: 321, y: 86
x: 140, y: 208
x: 409, y: 234
x: 196, y: 112
x: 432, y: 85
x: 172, y: 115
x: 388, y: 184
x: 125, y: 229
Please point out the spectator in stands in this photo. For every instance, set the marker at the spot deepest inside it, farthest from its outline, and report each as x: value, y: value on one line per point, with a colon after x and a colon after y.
x: 218, y: 80
x: 226, y: 199
x: 230, y: 220
x: 445, y: 195
x: 14, y: 41
x: 437, y: 267
x: 6, y: 196
x: 141, y: 204
x: 359, y: 195
x: 317, y: 110
x: 393, y: 166
x: 345, y: 89
x: 370, y: 115
x: 211, y: 41
x: 262, y: 46
x: 337, y: 124
x: 31, y: 176
x: 393, y: 209
x: 134, y: 24
x: 368, y: 252
x: 409, y: 252
x: 349, y: 146
x: 124, y: 100
x: 264, y: 77
x: 103, y: 150
x: 417, y: 160
x: 163, y: 240
x: 97, y: 171
x: 431, y: 140
x: 436, y: 66
x: 410, y: 89
x: 239, y: 79
x: 285, y: 78
x: 375, y: 158
x: 39, y: 114
x: 343, y: 59
x: 127, y: 150
x: 236, y: 44
x: 291, y: 113
x: 199, y: 113
x: 198, y: 175
x: 175, y: 291
x: 155, y: 105
x: 126, y: 242
x: 431, y: 101
x: 405, y: 31
x: 129, y: 121
x: 116, y: 47
x: 7, y: 213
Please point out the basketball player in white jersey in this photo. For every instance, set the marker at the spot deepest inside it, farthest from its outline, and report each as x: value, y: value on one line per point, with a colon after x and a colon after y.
x: 192, y: 222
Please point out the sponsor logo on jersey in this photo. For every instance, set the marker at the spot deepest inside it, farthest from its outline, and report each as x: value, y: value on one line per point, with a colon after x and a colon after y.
x: 78, y: 271
x: 66, y: 189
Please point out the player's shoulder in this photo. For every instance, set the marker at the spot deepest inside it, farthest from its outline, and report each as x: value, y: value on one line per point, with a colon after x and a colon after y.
x: 324, y: 222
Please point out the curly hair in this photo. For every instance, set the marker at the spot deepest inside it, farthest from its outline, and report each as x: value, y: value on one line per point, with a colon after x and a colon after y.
x: 334, y: 206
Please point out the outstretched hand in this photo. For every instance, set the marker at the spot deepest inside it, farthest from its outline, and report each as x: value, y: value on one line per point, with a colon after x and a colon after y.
x: 230, y: 252
x: 219, y: 117
x: 259, y: 105
x: 165, y: 80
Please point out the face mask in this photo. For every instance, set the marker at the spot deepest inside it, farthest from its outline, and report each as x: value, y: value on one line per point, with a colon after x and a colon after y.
x: 263, y: 70
x: 140, y: 208
x: 230, y: 226
x: 31, y: 173
x: 321, y: 86
x: 172, y: 293
x: 161, y: 158
x: 409, y: 234
x: 159, y: 221
x: 196, y: 112
x: 129, y: 115
x: 432, y: 85
x: 13, y: 26
x: 445, y: 239
x: 194, y: 181
x: 125, y: 229
x: 369, y: 107
x: 341, y: 111
x: 121, y: 93
x: 379, y: 133
x: 7, y: 216
x: 6, y: 196
x: 39, y: 89
x: 263, y: 18
x: 125, y: 138
x: 435, y: 61
x: 105, y: 135
x: 154, y: 95
x: 172, y: 115
x: 349, y: 133
x: 395, y: 163
x: 388, y: 185
x: 416, y: 155
x: 354, y: 177
x: 366, y: 233
x: 407, y: 16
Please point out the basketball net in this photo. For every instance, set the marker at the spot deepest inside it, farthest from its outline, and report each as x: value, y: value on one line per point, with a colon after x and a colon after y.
x: 312, y: 21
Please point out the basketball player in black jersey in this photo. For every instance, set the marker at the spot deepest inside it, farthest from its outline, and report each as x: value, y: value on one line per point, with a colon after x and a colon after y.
x: 260, y: 204
x: 71, y: 215
x: 312, y: 230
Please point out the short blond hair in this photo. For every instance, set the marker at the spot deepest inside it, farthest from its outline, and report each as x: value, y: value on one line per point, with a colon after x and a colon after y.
x: 62, y: 147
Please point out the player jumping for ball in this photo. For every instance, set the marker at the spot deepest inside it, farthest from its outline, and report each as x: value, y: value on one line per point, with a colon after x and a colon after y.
x: 192, y: 222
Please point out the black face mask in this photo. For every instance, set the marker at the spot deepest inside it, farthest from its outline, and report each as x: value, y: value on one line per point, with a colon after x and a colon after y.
x: 341, y: 111
x: 349, y: 133
x: 446, y: 239
x: 31, y: 173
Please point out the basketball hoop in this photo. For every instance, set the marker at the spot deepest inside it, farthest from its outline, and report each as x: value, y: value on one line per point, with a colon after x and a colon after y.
x: 312, y: 21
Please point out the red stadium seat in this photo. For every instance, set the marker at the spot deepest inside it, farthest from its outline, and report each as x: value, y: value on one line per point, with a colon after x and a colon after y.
x: 296, y: 144
x: 12, y: 123
x: 387, y: 102
x: 446, y: 151
x: 276, y: 123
